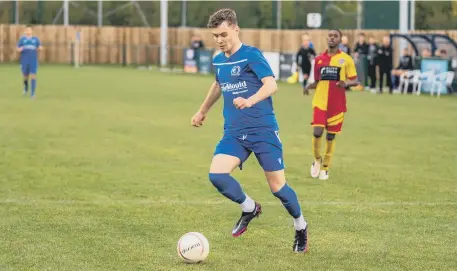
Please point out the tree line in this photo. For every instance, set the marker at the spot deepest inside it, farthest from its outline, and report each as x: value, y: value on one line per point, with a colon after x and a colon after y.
x: 252, y: 14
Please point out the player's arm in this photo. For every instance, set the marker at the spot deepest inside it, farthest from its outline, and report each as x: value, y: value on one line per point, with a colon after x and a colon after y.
x: 312, y: 85
x: 313, y: 53
x: 19, y: 45
x: 297, y: 56
x: 269, y: 88
x: 213, y: 95
x: 351, y: 75
x: 317, y: 77
x: 39, y: 46
x: 262, y: 70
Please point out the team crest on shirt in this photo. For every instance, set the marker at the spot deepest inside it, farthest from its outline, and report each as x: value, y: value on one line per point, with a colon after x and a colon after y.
x: 341, y: 61
x: 319, y: 62
x: 236, y: 71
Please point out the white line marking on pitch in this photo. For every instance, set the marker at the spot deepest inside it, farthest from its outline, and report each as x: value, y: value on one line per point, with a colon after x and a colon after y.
x: 215, y: 202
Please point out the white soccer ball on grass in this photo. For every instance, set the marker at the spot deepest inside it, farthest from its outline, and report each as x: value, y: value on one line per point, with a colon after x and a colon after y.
x: 193, y: 247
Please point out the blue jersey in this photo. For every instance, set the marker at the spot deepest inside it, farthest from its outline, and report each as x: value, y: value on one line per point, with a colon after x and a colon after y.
x: 29, y: 49
x: 240, y: 76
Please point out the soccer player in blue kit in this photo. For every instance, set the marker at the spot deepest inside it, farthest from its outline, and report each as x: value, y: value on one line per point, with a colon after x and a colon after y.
x: 28, y: 46
x: 246, y: 82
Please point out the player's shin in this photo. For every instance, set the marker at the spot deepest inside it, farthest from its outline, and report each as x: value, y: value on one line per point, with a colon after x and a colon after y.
x: 316, y: 146
x: 329, y: 150
x: 289, y: 199
x: 231, y: 189
x: 26, y: 85
x: 33, y: 81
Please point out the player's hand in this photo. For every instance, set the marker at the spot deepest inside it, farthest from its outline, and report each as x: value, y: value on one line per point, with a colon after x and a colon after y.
x: 20, y: 49
x: 306, y: 90
x: 197, y: 119
x: 241, y: 103
x: 341, y: 84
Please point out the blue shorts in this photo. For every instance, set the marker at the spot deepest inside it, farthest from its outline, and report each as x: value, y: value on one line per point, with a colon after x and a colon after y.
x: 29, y: 68
x: 266, y: 146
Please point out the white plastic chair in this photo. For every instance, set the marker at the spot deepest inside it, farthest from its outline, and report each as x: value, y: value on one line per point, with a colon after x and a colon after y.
x: 450, y: 79
x: 409, y: 77
x: 425, y: 77
x: 446, y: 78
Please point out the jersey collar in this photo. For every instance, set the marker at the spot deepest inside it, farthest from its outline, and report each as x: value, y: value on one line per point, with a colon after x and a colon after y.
x: 241, y: 46
x: 326, y: 53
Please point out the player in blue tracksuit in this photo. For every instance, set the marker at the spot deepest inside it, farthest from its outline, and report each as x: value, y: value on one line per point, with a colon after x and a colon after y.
x: 246, y: 82
x: 28, y: 46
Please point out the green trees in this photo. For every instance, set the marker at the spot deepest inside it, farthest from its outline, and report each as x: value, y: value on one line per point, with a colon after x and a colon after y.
x: 253, y: 14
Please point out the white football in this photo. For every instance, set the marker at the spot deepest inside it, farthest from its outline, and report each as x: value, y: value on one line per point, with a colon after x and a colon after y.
x: 193, y: 247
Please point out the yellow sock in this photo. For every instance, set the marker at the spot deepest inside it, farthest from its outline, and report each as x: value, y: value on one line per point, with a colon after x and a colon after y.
x: 316, y: 142
x: 329, y: 150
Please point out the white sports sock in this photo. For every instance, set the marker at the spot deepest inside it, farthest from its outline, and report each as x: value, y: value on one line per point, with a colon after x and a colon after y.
x: 248, y: 204
x: 300, y: 223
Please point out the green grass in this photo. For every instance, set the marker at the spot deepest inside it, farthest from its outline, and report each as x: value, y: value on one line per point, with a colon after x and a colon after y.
x: 104, y: 172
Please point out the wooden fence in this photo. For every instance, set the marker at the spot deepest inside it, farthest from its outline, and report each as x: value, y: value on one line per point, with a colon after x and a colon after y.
x: 139, y: 45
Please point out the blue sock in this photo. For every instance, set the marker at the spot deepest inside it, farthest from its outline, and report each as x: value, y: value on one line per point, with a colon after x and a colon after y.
x: 26, y: 85
x: 289, y: 200
x: 33, y: 87
x: 228, y: 186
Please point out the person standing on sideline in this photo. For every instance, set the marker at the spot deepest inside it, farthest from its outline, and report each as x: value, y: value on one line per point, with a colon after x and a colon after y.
x: 372, y: 61
x: 304, y: 57
x: 385, y: 53
x: 344, y: 46
x: 361, y: 47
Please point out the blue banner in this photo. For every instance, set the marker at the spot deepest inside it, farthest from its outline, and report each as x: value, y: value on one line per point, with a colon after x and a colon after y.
x: 437, y: 66
x: 205, y: 61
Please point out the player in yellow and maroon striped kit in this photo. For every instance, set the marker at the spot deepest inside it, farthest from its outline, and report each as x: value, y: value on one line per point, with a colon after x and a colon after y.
x: 334, y: 72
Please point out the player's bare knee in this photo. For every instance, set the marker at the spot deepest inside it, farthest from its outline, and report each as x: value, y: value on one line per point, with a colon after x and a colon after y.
x: 276, y: 180
x: 32, y: 76
x: 318, y: 131
x: 330, y: 136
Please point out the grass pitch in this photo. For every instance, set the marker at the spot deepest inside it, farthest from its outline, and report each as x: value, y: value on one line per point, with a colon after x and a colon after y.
x: 104, y: 172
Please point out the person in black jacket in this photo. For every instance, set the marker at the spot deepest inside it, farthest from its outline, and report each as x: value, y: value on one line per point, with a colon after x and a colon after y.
x: 197, y: 42
x: 372, y: 61
x: 303, y: 59
x: 197, y: 45
x: 385, y: 58
x: 361, y: 47
x: 405, y: 64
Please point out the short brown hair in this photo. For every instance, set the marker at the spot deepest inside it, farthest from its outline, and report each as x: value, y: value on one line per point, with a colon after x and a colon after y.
x: 222, y: 15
